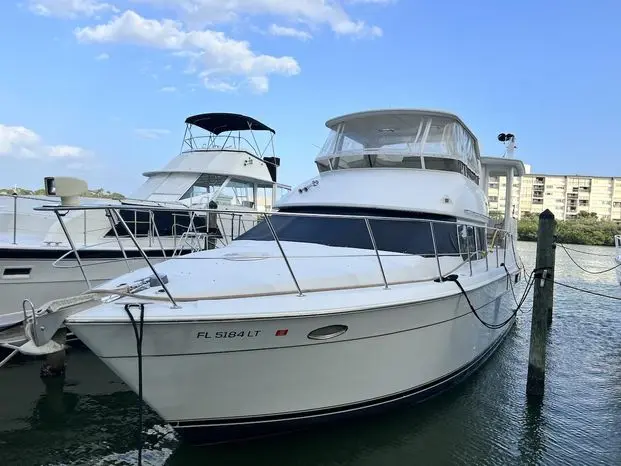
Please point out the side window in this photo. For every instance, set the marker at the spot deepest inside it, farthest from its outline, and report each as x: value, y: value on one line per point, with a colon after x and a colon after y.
x: 481, y: 242
x: 467, y: 241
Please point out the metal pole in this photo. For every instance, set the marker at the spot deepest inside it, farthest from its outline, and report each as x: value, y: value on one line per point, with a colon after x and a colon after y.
x: 435, y: 249
x: 379, y: 261
x: 174, y: 231
x: 159, y: 240
x: 144, y: 256
x: 468, y: 251
x: 212, y: 225
x: 14, y: 218
x: 150, y: 229
x: 84, y: 240
x: 486, y: 251
x: 110, y: 216
x: 284, y: 256
x: 73, y: 248
x: 543, y: 300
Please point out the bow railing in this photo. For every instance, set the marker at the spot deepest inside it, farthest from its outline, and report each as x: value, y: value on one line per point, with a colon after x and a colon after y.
x: 453, y: 246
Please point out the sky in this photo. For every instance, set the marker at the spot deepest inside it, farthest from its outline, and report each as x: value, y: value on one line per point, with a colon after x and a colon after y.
x: 100, y: 89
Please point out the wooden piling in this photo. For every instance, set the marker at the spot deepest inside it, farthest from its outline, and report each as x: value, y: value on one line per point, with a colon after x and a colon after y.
x: 543, y: 299
x: 54, y: 364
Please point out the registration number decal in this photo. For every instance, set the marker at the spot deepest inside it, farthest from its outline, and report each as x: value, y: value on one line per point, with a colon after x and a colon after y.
x: 229, y: 334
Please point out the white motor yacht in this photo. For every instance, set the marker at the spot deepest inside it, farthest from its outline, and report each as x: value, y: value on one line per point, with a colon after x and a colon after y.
x: 377, y: 281
x: 226, y: 161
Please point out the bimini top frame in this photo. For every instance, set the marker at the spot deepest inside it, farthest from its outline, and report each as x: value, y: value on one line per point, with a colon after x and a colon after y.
x: 224, y: 134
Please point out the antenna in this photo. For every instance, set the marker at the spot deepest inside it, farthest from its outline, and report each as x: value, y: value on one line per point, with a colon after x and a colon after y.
x: 509, y: 140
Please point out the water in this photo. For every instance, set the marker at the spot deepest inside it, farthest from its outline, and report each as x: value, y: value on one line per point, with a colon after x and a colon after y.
x: 485, y: 421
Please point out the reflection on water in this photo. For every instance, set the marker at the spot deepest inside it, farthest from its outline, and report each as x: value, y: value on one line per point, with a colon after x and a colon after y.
x: 90, y: 417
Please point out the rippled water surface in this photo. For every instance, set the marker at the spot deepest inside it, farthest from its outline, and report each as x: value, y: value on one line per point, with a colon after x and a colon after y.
x: 90, y: 418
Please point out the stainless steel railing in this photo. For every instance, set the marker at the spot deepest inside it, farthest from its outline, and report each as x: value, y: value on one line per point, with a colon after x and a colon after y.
x: 152, y: 235
x: 14, y: 211
x: 479, y: 252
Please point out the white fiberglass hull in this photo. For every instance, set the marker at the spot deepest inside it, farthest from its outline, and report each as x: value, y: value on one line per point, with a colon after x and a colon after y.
x: 40, y: 281
x: 219, y: 379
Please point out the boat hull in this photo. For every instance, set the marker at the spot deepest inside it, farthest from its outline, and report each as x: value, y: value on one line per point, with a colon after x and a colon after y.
x: 213, y: 385
x: 41, y: 281
x: 242, y: 429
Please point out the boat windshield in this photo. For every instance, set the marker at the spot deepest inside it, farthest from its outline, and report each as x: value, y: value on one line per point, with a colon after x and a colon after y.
x: 401, y: 140
x: 398, y: 235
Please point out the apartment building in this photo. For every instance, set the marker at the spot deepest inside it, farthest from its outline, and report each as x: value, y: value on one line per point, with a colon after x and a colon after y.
x: 564, y: 195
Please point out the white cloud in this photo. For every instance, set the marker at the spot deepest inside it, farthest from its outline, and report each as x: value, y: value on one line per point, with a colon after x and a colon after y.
x: 276, y: 30
x: 168, y: 89
x: 102, y: 56
x: 218, y: 55
x: 313, y: 12
x: 69, y: 8
x: 21, y: 142
x: 151, y: 133
x: 218, y: 85
x: 259, y: 83
x: 65, y: 151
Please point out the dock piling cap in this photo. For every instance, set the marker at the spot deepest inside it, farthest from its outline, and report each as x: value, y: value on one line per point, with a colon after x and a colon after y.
x: 30, y: 349
x: 546, y: 214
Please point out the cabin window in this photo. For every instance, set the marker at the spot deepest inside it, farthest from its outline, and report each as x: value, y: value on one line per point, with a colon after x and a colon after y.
x: 168, y: 223
x: 472, y: 241
x: 397, y: 139
x: 207, y: 184
x: 264, y: 197
x: 237, y: 193
x: 409, y: 237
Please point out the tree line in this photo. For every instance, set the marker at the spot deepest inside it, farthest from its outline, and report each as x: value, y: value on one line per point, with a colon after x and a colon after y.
x: 98, y: 193
x: 585, y: 229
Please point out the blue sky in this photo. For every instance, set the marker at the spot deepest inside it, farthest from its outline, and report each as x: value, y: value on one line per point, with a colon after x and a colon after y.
x: 81, y: 80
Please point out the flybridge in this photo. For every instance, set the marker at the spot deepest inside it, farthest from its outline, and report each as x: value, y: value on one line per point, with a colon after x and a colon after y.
x: 225, y: 133
x: 226, y: 157
x: 406, y: 138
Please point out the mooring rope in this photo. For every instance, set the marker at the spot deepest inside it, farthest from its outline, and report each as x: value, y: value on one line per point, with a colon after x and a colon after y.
x: 594, y: 272
x: 529, y: 285
x: 138, y: 333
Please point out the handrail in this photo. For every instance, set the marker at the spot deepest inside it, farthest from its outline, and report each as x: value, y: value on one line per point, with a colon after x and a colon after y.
x: 273, y: 213
x: 212, y: 141
x: 467, y: 256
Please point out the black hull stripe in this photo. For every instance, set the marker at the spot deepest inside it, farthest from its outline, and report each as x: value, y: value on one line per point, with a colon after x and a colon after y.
x: 85, y: 254
x: 233, y: 429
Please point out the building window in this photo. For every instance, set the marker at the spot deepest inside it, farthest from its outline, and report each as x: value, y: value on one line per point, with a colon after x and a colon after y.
x: 493, y: 198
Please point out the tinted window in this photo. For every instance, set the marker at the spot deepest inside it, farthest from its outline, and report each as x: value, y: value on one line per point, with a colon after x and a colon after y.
x: 412, y: 237
x: 166, y: 222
